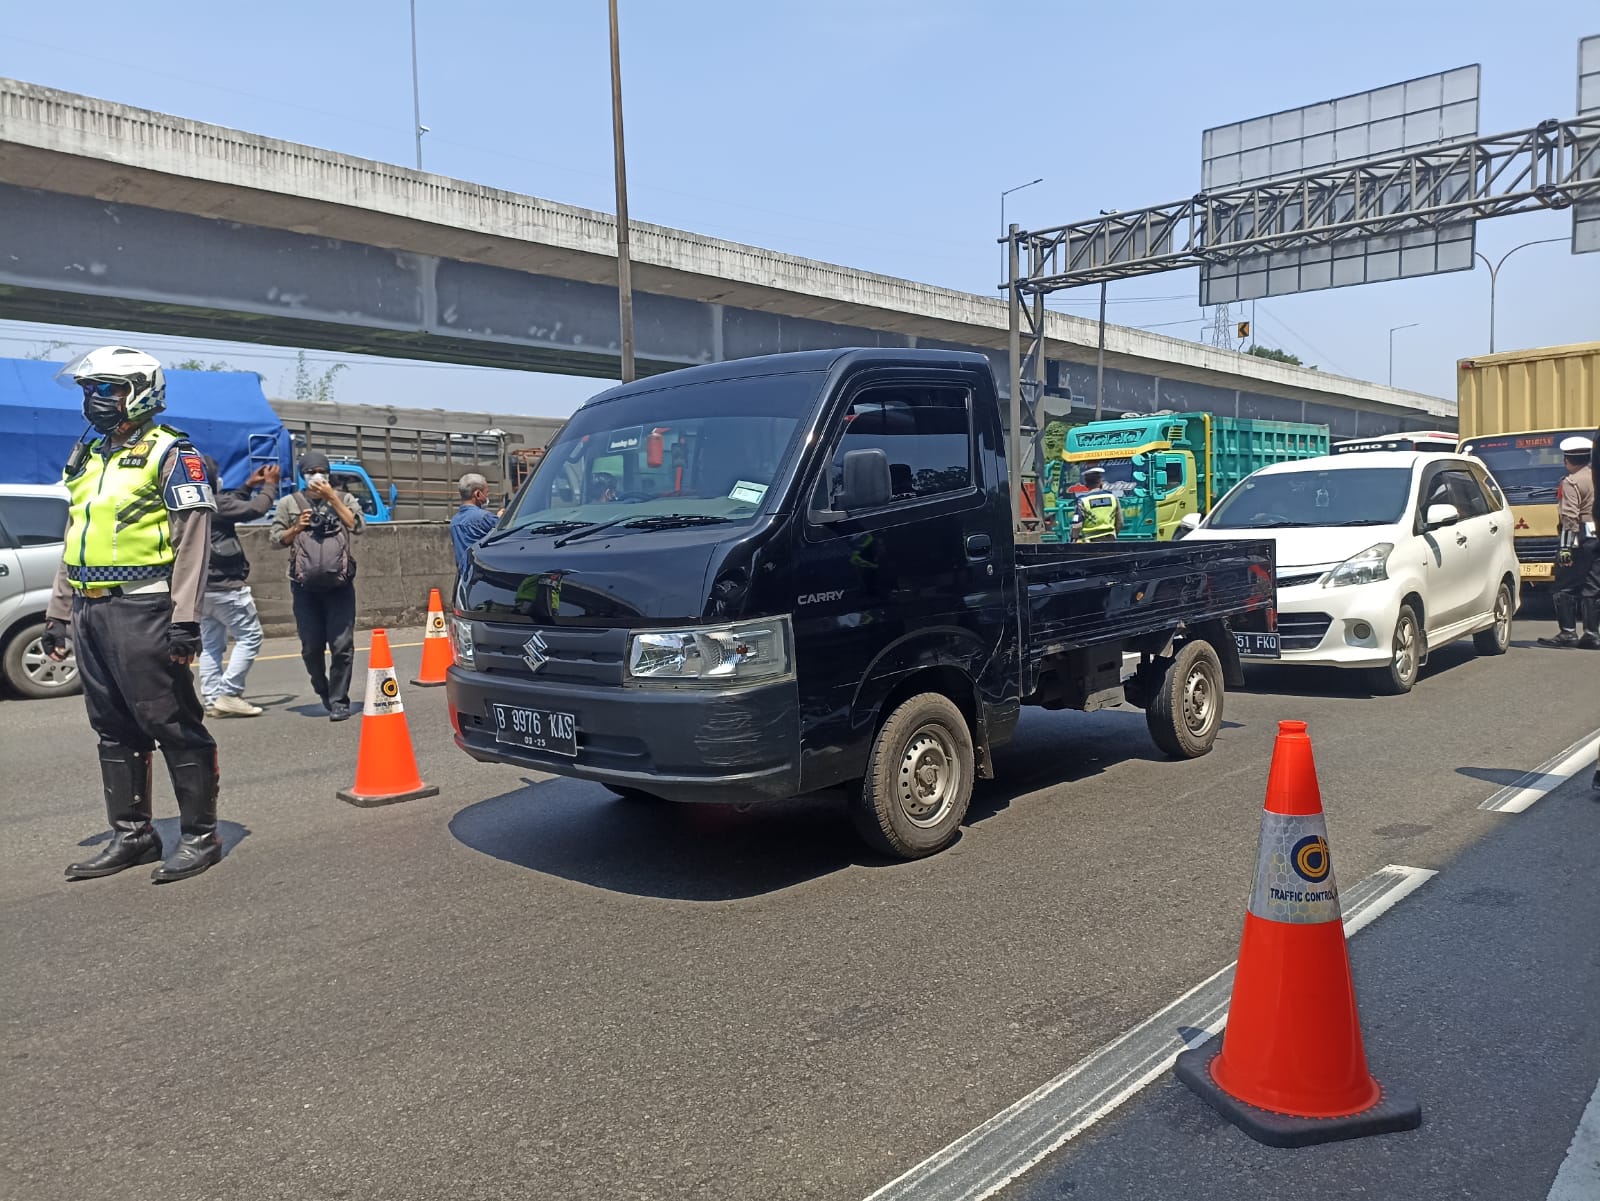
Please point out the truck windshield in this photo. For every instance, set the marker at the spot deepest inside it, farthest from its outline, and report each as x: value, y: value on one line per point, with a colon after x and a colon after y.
x: 706, y: 452
x: 1526, y: 466
x: 1279, y: 499
x: 1118, y: 479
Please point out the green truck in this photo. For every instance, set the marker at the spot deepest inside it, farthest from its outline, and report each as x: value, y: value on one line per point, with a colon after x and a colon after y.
x: 1168, y: 465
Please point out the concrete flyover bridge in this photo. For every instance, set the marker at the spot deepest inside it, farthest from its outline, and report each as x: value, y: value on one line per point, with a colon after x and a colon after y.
x: 125, y: 218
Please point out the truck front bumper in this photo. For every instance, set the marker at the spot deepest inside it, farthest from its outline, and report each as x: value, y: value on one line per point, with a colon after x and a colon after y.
x: 731, y: 746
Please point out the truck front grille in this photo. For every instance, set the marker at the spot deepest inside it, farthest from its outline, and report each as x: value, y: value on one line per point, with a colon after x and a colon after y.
x: 1537, y: 550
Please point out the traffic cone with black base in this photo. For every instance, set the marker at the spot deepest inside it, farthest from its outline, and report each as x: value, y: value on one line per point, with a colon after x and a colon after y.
x: 386, y: 765
x: 1291, y: 1069
x: 437, y: 656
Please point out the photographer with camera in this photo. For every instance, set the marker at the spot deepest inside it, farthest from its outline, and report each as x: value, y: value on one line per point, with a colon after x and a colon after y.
x: 318, y: 524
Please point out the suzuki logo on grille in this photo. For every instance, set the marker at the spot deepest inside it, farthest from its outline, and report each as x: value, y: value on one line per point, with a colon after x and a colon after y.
x: 535, y: 652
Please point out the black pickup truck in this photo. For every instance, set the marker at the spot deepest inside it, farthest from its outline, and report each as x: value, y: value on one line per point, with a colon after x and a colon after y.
x: 776, y: 575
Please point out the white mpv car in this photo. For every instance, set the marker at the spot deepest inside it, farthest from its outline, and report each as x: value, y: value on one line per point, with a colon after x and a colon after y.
x: 1382, y: 557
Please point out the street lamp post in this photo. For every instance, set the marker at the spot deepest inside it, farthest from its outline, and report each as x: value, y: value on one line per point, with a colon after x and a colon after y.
x: 1392, y: 331
x: 1004, y: 262
x: 1494, y: 276
x: 416, y: 92
x: 624, y: 266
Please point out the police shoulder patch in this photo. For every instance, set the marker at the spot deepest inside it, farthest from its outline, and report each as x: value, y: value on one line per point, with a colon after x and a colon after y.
x: 187, y: 486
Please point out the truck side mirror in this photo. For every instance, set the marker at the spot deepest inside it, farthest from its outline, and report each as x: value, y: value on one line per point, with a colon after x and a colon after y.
x: 866, y: 483
x: 394, y: 495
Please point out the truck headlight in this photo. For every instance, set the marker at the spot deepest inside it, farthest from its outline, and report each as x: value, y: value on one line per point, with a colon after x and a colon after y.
x: 745, y: 653
x: 1370, y: 566
x: 461, y: 640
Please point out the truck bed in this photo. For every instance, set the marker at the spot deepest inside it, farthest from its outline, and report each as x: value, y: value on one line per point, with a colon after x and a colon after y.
x: 1078, y: 596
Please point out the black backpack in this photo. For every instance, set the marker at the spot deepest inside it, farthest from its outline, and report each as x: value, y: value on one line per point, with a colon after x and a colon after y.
x: 319, y: 557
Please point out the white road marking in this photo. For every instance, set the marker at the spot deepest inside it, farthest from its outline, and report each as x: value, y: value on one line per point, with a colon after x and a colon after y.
x: 1579, y: 1176
x: 983, y: 1161
x: 1544, y: 779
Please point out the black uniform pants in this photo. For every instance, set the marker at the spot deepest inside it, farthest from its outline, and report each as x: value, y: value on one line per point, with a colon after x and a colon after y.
x: 1581, y: 581
x: 136, y: 695
x: 326, y: 620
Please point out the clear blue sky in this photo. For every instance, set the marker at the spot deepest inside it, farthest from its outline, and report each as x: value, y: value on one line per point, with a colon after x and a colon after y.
x: 874, y: 133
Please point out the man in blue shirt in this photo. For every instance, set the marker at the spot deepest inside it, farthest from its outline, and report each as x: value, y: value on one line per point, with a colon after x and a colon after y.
x: 472, y: 521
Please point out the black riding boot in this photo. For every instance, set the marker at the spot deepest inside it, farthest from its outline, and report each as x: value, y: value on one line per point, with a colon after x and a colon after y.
x: 1591, y: 626
x: 125, y: 776
x: 194, y: 781
x: 1567, y: 619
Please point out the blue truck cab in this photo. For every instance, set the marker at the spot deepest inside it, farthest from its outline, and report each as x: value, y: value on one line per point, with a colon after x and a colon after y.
x: 762, y: 578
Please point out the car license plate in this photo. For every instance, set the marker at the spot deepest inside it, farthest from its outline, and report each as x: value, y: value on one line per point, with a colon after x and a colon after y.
x: 536, y: 729
x: 1254, y: 645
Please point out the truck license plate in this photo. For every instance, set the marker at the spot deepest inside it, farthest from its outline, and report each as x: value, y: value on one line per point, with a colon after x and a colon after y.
x: 1538, y: 571
x: 1253, y: 645
x: 536, y: 729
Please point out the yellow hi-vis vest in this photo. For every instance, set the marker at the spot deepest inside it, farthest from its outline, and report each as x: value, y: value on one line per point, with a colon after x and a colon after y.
x: 117, y: 526
x: 1099, y: 509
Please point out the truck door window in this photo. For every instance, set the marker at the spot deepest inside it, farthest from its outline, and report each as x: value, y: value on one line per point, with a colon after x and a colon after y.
x: 357, y: 487
x: 1172, y: 476
x: 925, y: 431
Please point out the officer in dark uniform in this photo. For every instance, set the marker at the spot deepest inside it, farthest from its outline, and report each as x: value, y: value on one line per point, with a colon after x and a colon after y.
x: 128, y: 597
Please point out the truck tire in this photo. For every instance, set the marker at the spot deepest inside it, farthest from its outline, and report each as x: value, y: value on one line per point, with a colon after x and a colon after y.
x: 919, y: 779
x: 1497, y: 638
x: 31, y: 674
x: 1185, y: 709
x: 1397, y: 677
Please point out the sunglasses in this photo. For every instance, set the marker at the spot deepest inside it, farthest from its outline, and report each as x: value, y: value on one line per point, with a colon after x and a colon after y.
x: 104, y: 389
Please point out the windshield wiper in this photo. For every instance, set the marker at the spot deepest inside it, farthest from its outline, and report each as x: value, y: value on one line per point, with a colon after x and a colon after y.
x: 549, y: 527
x: 1357, y: 521
x: 1534, y: 493
x: 584, y: 530
x: 668, y: 521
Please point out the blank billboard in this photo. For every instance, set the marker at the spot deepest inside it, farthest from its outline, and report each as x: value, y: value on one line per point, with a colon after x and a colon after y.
x: 1586, y: 213
x: 1413, y: 115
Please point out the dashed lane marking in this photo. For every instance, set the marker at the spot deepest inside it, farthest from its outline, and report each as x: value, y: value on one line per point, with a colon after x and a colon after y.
x: 985, y: 1160
x: 1544, y: 779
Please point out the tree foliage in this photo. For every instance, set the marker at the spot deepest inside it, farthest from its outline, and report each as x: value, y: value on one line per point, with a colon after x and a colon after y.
x: 1277, y: 356
x: 315, y: 387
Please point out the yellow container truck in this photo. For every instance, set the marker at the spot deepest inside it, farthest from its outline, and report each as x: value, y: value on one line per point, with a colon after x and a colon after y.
x: 1514, y: 409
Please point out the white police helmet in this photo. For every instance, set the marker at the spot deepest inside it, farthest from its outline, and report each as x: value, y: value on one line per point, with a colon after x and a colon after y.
x: 147, y: 383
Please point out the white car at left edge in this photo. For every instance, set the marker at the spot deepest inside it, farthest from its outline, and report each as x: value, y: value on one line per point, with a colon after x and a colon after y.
x: 1383, y: 557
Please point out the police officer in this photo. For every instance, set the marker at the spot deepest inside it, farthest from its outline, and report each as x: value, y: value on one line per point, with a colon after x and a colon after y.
x: 128, y: 596
x: 1577, y: 561
x: 1099, y: 509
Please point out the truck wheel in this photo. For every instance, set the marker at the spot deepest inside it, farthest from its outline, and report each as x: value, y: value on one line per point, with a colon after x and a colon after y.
x: 919, y: 779
x: 1397, y: 677
x: 1497, y: 638
x: 34, y: 674
x: 1185, y: 709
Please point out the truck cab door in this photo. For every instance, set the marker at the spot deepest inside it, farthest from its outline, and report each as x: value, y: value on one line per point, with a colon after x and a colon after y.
x: 1175, y: 491
x: 913, y: 580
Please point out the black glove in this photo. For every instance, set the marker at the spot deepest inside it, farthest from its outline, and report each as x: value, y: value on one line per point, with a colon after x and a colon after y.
x: 183, y: 640
x: 54, y: 642
x: 1564, y: 557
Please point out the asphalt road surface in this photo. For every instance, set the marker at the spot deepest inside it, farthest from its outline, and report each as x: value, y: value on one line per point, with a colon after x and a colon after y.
x: 526, y: 988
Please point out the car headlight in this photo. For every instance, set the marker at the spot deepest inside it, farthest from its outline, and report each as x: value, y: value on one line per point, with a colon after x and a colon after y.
x: 1370, y: 566
x: 731, y: 654
x: 461, y: 640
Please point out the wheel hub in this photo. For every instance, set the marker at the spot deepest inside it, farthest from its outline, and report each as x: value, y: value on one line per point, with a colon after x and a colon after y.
x: 926, y: 781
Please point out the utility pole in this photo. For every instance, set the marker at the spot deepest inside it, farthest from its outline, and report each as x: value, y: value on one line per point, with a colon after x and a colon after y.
x: 1004, y: 261
x: 624, y: 267
x: 416, y: 91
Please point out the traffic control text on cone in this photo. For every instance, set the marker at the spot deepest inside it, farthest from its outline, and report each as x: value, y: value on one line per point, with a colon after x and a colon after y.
x: 386, y: 765
x: 437, y: 655
x: 1292, y: 1069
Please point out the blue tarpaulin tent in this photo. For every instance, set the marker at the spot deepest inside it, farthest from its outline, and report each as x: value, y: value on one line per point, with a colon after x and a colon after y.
x: 224, y: 412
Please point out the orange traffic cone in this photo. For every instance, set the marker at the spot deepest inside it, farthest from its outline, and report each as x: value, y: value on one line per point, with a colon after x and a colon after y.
x: 1292, y: 1070
x: 437, y: 657
x: 386, y: 766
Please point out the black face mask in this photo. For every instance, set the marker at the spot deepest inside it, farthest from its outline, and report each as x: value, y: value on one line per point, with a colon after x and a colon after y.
x: 104, y: 413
